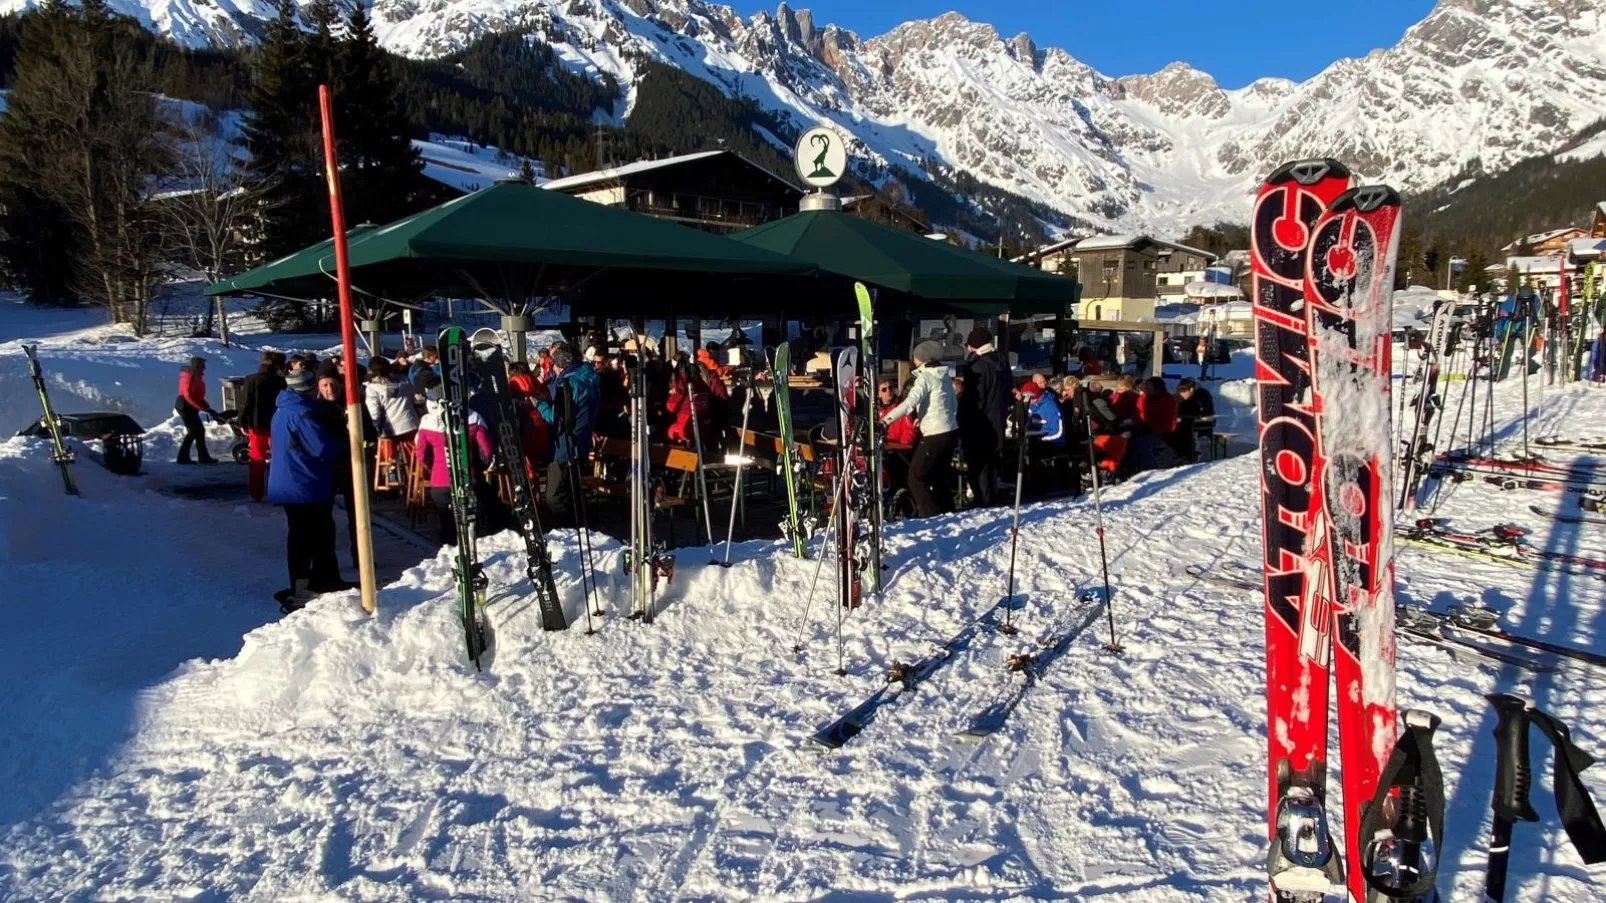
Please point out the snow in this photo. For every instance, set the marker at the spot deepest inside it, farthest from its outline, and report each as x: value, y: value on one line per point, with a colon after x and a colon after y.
x: 468, y: 166
x: 1212, y: 290
x: 171, y: 736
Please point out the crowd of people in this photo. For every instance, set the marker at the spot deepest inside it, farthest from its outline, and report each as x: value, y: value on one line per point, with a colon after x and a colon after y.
x: 293, y: 408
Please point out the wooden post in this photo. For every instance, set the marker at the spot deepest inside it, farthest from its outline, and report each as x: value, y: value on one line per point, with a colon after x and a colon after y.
x: 348, y: 345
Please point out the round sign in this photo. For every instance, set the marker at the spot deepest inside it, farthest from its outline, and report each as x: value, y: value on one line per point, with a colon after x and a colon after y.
x: 820, y: 157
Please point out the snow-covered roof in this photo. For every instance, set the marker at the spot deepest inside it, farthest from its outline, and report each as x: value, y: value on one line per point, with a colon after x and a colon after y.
x: 1212, y: 290
x: 468, y: 165
x: 1184, y: 248
x: 1538, y: 237
x: 1109, y: 242
x: 1586, y: 248
x: 568, y: 183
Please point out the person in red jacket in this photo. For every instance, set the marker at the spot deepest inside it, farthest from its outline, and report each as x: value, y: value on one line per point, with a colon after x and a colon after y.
x: 1124, y: 398
x: 688, y: 396
x: 1157, y: 408
x: 189, y: 406
x: 533, y: 434
x: 900, y: 432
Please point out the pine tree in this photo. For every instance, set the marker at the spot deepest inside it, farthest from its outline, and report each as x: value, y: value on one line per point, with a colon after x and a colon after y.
x: 380, y: 165
x: 322, y: 46
x: 37, y: 240
x: 280, y: 135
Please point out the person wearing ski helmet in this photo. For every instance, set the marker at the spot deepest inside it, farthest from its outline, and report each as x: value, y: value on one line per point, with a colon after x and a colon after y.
x: 932, y: 401
x: 575, y: 396
x: 189, y: 406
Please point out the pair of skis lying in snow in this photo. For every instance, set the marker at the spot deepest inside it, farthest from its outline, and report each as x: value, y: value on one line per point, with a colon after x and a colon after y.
x: 1464, y: 628
x: 1023, y: 671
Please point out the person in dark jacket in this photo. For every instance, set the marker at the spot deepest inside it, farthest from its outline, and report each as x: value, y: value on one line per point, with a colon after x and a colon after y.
x: 1196, y: 416
x: 576, y: 394
x: 984, y: 403
x: 331, y: 394
x: 302, y: 480
x: 189, y: 406
x: 259, y: 399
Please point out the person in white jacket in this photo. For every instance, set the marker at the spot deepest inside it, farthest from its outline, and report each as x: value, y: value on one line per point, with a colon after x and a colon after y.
x: 932, y: 401
x: 389, y: 399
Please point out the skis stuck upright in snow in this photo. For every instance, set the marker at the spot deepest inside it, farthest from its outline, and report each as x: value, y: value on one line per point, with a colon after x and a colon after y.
x: 1323, y: 266
x: 469, y: 573
x: 60, y: 454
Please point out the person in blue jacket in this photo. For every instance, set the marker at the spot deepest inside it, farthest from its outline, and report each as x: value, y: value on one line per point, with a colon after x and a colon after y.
x: 302, y: 480
x: 1044, y: 413
x: 575, y: 393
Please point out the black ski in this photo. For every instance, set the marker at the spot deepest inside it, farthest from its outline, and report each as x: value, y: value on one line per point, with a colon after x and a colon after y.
x: 1416, y: 623
x: 1030, y: 666
x: 60, y: 454
x: 1566, y: 518
x: 490, y: 365
x: 1485, y: 622
x: 901, y: 678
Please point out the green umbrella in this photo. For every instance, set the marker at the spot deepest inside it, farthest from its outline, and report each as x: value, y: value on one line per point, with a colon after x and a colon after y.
x: 311, y: 270
x: 901, y: 261
x: 513, y: 240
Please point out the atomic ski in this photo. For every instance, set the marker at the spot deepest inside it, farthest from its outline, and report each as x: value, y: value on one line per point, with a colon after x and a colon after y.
x: 471, y: 581
x: 1302, y: 863
x: 1349, y: 288
x: 901, y: 678
x: 491, y: 368
x: 1028, y: 668
x: 60, y: 453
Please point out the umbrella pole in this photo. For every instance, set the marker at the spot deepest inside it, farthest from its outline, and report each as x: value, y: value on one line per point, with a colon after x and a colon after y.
x: 348, y: 344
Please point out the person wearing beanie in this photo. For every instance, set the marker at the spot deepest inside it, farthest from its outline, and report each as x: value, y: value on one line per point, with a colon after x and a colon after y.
x: 985, y: 398
x: 260, y: 393
x: 302, y: 481
x: 571, y: 409
x: 931, y: 400
x: 189, y: 405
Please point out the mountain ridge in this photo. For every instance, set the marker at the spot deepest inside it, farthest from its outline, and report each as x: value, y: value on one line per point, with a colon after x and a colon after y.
x: 1490, y: 82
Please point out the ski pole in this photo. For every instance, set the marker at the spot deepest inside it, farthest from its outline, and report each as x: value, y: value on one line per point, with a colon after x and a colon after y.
x: 1527, y: 360
x: 1014, y: 527
x: 741, y: 462
x: 1104, y: 557
x: 702, y: 479
x: 1513, y: 776
x: 819, y: 565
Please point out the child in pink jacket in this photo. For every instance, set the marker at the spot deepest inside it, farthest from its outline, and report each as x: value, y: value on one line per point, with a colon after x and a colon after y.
x: 431, y: 442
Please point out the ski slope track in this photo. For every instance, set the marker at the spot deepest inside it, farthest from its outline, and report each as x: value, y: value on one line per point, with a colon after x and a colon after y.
x: 170, y: 736
x: 1154, y: 151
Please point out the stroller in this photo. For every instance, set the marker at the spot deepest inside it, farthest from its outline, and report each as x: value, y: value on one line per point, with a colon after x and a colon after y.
x: 240, y: 451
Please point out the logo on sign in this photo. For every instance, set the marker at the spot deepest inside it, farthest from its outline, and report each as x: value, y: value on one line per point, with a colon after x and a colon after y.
x: 820, y: 157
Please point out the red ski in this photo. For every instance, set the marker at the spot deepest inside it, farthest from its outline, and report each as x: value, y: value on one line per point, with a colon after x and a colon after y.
x: 1349, y: 288
x: 1303, y: 861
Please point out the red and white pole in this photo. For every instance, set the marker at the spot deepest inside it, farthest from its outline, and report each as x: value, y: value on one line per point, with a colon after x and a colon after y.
x: 348, y: 347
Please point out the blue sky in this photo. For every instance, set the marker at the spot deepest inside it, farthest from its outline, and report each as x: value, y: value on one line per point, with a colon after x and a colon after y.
x: 1237, y: 41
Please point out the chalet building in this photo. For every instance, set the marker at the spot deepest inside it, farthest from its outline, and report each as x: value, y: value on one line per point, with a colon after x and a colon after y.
x: 1177, y: 266
x: 1544, y: 244
x: 718, y: 191
x: 1597, y: 228
x: 1123, y: 276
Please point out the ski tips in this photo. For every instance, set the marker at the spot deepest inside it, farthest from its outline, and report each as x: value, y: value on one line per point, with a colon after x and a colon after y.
x: 1308, y: 172
x: 1365, y: 199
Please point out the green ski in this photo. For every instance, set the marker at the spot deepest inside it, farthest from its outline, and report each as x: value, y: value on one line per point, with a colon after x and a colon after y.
x: 61, y: 455
x: 783, y: 415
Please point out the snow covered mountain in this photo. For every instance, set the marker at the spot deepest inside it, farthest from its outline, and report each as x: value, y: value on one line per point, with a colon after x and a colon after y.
x: 1488, y: 80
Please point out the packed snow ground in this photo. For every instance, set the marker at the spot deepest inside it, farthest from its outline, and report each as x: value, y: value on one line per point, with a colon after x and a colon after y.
x: 170, y: 736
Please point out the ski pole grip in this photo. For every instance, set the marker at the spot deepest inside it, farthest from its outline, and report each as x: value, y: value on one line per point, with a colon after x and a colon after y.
x: 1513, y: 773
